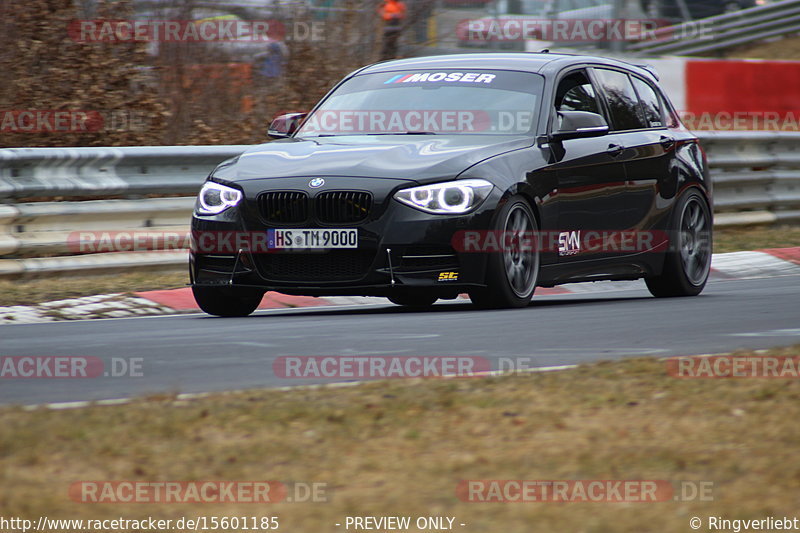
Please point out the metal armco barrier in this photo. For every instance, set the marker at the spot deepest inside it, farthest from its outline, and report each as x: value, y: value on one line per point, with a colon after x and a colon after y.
x: 756, y: 180
x: 724, y: 31
x: 756, y: 176
x: 50, y: 172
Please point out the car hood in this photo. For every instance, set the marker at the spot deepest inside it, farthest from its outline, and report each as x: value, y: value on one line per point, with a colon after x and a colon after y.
x: 413, y: 157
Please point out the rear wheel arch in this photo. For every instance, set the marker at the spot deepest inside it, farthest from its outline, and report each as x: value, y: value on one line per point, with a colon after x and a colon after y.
x: 704, y: 193
x: 687, y: 260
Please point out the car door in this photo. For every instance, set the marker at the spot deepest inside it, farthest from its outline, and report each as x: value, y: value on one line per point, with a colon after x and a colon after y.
x: 648, y: 145
x: 591, y: 175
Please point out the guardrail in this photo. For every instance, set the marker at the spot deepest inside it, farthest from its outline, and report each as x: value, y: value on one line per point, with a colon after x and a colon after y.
x: 139, y: 170
x: 723, y: 31
x: 756, y: 178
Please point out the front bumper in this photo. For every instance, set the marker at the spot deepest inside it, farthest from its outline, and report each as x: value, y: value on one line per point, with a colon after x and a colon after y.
x: 398, y: 248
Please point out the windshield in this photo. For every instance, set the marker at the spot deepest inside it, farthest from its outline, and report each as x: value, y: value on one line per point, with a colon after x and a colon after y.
x: 453, y: 102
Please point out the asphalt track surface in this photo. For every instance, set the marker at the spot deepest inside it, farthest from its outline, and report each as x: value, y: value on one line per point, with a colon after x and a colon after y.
x: 198, y: 353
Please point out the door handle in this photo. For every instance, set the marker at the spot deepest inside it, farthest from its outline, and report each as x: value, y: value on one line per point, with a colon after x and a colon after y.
x: 667, y: 142
x: 614, y: 150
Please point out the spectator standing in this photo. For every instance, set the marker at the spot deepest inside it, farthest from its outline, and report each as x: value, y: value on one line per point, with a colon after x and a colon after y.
x: 393, y: 14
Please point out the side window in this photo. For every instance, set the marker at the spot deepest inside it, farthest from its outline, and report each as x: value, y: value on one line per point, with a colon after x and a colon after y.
x: 673, y: 121
x: 623, y: 104
x: 575, y: 93
x: 651, y: 104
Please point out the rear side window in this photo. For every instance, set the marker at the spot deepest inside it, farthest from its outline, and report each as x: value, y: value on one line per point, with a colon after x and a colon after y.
x: 669, y: 112
x: 651, y: 104
x: 623, y: 103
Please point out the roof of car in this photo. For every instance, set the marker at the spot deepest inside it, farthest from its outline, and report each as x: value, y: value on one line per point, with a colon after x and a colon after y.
x: 524, y: 61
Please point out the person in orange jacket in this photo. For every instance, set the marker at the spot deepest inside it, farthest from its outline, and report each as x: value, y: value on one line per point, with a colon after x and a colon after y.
x: 393, y: 13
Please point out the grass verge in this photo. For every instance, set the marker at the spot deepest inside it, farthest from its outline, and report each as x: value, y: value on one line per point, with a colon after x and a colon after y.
x: 401, y: 448
x: 755, y: 238
x: 33, y: 291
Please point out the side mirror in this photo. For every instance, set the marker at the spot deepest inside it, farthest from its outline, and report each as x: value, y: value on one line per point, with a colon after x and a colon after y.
x: 285, y: 125
x: 579, y: 125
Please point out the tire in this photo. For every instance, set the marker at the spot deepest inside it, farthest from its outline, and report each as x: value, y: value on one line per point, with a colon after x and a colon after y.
x: 511, y: 274
x: 417, y: 299
x: 688, y: 260
x: 227, y: 301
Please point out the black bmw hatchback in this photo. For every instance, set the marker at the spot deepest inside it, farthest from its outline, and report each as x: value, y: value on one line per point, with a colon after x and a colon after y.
x: 485, y: 174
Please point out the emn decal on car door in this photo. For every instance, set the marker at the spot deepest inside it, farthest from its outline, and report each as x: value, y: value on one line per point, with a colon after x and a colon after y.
x: 569, y: 242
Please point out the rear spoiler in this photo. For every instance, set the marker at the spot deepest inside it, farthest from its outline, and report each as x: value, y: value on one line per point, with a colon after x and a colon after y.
x: 651, y: 69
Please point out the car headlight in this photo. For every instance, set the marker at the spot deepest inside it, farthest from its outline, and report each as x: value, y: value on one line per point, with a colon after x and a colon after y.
x: 214, y: 198
x: 453, y: 197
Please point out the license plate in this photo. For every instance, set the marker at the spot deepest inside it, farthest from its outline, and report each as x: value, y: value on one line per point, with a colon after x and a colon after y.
x: 311, y: 239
